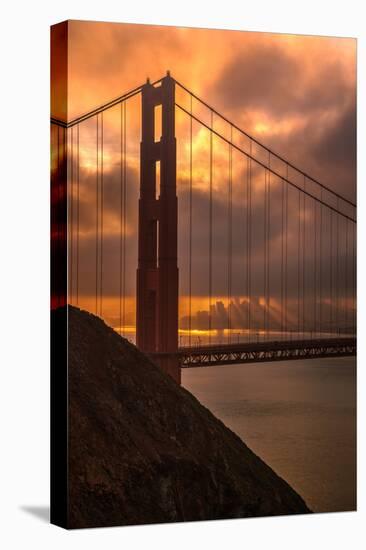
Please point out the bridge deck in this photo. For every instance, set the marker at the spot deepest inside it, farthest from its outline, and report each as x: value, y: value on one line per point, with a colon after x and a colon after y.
x: 258, y: 352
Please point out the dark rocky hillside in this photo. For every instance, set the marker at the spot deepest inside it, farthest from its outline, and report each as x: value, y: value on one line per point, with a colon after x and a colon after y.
x: 144, y: 450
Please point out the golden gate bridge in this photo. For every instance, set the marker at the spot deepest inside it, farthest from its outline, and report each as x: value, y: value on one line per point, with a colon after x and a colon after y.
x: 222, y: 219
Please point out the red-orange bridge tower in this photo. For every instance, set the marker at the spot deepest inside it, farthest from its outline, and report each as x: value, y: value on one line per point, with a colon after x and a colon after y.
x: 157, y: 272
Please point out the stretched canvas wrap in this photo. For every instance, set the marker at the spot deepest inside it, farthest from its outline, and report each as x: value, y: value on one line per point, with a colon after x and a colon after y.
x: 203, y: 309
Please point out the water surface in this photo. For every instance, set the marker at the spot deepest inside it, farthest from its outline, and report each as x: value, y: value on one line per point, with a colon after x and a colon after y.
x: 298, y: 416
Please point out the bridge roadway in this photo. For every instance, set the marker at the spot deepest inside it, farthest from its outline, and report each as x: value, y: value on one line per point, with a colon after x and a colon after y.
x: 259, y: 352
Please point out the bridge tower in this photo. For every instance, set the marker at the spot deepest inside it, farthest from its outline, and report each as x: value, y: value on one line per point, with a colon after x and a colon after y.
x: 157, y: 272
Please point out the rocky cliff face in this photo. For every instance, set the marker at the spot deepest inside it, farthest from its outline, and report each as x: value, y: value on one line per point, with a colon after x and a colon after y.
x: 144, y: 450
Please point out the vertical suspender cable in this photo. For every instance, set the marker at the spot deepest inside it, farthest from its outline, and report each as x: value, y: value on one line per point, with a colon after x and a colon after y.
x: 97, y: 220
x: 57, y: 216
x: 346, y: 282
x: 121, y: 220
x: 286, y: 257
x: 71, y: 217
x: 342, y: 275
x: 331, y: 272
x: 265, y: 253
x: 230, y: 236
x: 77, y: 215
x: 123, y: 224
x: 210, y: 239
x: 303, y: 262
x: 345, y: 287
x: 337, y: 269
x: 354, y: 278
x: 64, y: 192
x: 268, y: 300
x: 315, y: 269
x: 321, y: 268
x: 101, y: 214
x: 124, y: 215
x: 250, y: 245
x: 282, y: 251
x: 190, y: 222
x: 298, y: 262
x: 247, y: 249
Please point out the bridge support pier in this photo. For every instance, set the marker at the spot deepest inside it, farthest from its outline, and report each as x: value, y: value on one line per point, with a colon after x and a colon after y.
x: 157, y: 272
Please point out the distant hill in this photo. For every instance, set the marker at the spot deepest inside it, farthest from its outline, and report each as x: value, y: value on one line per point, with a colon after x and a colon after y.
x: 144, y: 450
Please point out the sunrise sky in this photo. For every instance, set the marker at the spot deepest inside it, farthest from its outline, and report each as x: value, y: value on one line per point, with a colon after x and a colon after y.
x: 296, y: 94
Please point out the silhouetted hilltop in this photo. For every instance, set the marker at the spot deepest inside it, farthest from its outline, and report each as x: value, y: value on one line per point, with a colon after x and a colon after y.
x: 144, y: 450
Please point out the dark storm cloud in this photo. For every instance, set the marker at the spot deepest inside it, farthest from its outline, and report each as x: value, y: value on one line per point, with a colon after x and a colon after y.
x: 333, y: 152
x: 269, y: 78
x: 255, y: 73
x: 338, y: 140
x: 316, y: 101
